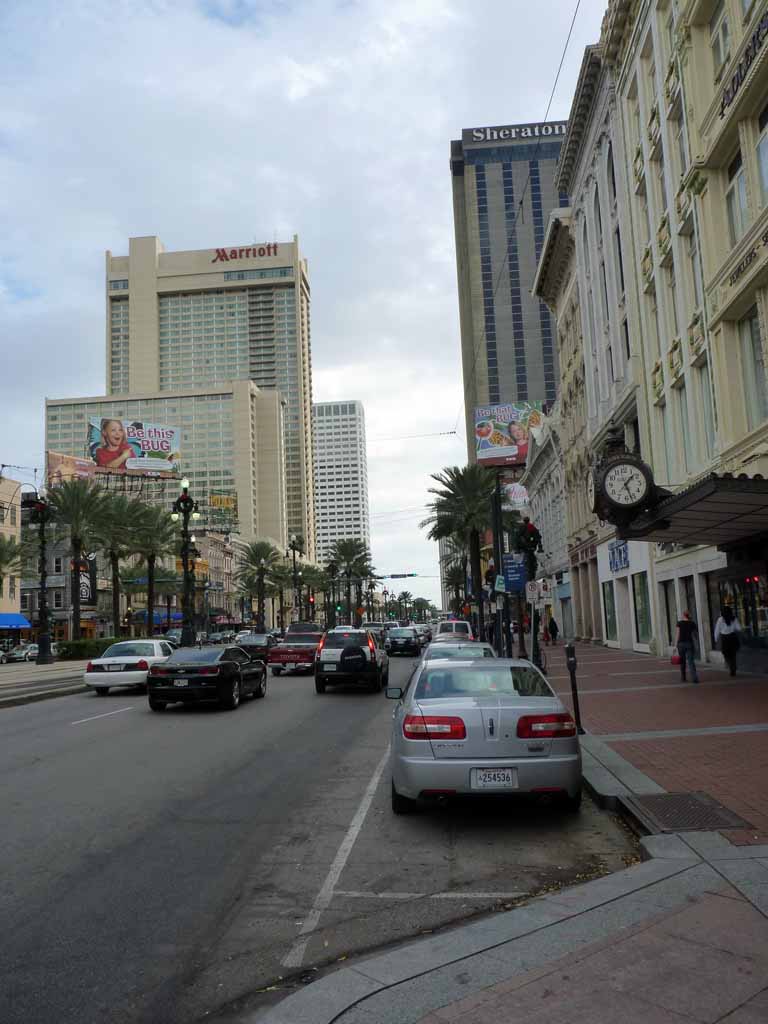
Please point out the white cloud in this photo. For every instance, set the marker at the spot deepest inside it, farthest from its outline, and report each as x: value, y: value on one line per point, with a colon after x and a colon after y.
x: 210, y: 121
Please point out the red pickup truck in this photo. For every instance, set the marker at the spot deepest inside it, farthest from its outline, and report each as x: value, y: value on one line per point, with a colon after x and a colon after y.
x: 296, y: 653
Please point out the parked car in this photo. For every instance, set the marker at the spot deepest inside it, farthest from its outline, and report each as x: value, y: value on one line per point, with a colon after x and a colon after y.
x: 490, y: 726
x: 257, y: 645
x: 193, y: 674
x: 127, y: 663
x: 469, y: 649
x: 174, y: 635
x: 424, y: 632
x: 215, y: 638
x: 353, y: 655
x: 24, y: 652
x: 403, y: 640
x: 303, y: 627
x: 455, y: 626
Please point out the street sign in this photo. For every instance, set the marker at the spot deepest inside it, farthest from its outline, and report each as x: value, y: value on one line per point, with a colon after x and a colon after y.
x: 532, y: 592
x: 515, y: 575
x: 501, y: 584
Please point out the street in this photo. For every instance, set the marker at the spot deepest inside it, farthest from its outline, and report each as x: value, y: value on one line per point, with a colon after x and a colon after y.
x: 161, y: 867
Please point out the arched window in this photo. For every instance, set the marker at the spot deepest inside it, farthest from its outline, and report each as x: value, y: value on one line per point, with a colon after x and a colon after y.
x: 611, y: 173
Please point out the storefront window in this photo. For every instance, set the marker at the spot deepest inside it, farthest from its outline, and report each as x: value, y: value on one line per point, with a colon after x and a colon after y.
x: 748, y: 596
x: 609, y: 607
x: 670, y: 608
x: 642, y: 608
x: 689, y: 596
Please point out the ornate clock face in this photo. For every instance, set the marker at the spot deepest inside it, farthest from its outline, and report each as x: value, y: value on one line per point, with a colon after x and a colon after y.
x: 626, y: 484
x: 591, y: 491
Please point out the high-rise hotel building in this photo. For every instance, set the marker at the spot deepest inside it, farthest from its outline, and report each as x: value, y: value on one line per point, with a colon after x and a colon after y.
x: 184, y: 321
x: 503, y: 191
x: 341, y: 475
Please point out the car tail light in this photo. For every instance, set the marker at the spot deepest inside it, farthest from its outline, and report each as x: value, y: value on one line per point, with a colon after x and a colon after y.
x: 371, y: 645
x: 142, y: 666
x: 320, y: 646
x: 425, y: 727
x: 208, y: 670
x: 532, y: 727
x: 89, y: 667
x: 156, y: 670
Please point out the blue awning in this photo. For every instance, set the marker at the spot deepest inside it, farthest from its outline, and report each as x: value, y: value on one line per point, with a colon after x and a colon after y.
x: 11, y: 620
x: 158, y: 617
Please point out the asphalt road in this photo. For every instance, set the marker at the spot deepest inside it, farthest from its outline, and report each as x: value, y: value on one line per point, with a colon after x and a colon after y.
x: 166, y: 867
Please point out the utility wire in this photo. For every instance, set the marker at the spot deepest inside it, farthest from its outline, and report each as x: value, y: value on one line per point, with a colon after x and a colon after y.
x: 475, y: 353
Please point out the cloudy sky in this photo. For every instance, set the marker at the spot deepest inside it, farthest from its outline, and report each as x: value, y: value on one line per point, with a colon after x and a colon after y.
x: 216, y: 122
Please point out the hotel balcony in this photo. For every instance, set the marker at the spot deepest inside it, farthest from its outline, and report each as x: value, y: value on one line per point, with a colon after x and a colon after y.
x: 657, y: 382
x: 675, y: 362
x: 673, y: 92
x: 696, y: 340
x: 664, y: 241
x: 646, y: 268
x: 684, y: 210
x: 638, y: 168
x: 654, y: 131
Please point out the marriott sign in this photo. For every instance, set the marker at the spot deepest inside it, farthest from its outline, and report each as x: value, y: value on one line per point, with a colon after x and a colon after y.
x: 252, y: 252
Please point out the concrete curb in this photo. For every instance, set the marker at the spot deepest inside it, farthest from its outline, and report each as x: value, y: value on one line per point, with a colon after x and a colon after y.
x: 36, y: 695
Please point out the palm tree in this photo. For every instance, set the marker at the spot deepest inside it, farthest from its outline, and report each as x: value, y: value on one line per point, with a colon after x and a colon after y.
x: 77, y: 505
x: 116, y: 533
x: 258, y: 555
x: 455, y: 579
x: 462, y: 508
x: 407, y: 599
x: 279, y: 580
x: 354, y: 562
x: 12, y: 555
x: 156, y: 538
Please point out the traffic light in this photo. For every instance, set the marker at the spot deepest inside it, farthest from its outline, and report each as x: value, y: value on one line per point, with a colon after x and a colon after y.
x: 311, y: 598
x: 338, y: 607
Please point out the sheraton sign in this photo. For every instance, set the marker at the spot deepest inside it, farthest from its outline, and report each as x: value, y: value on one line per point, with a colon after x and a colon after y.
x: 515, y: 131
x: 250, y: 253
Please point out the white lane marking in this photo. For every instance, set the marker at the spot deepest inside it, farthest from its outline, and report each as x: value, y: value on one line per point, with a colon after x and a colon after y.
x: 324, y: 897
x: 105, y: 715
x: 432, y: 895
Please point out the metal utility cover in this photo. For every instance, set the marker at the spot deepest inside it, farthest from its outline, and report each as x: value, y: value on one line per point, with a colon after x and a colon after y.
x: 684, y: 812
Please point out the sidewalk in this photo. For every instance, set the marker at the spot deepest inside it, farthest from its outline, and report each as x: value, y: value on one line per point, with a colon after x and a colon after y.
x: 681, y: 937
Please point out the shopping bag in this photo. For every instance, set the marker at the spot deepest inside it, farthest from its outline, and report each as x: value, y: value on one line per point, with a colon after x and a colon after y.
x: 676, y: 659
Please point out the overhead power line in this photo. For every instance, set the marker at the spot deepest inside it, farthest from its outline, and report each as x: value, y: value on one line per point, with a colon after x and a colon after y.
x: 411, y: 437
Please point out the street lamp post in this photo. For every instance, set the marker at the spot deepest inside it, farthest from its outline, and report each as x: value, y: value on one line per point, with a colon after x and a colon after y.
x: 385, y: 595
x: 44, y: 655
x: 262, y: 570
x: 185, y: 507
x: 294, y: 547
x: 300, y: 595
x: 332, y: 571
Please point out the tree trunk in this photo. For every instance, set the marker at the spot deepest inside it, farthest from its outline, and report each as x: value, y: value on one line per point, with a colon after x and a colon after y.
x: 114, y: 561
x: 151, y: 595
x: 477, y: 579
x: 77, y: 551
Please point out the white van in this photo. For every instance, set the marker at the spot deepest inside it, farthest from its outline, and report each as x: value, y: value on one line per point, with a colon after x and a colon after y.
x: 457, y: 628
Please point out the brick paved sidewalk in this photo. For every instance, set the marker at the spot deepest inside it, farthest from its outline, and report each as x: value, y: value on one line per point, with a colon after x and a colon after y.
x: 711, y: 737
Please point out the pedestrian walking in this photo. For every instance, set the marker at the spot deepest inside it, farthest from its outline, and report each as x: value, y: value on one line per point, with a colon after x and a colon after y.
x: 687, y: 630
x: 554, y: 629
x: 727, y: 629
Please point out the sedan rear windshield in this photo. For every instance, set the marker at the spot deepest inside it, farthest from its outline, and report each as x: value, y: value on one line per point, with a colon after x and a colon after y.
x: 304, y: 638
x: 454, y: 627
x: 129, y: 651
x: 403, y: 632
x: 195, y: 656
x: 456, y: 651
x: 337, y: 641
x: 486, y: 681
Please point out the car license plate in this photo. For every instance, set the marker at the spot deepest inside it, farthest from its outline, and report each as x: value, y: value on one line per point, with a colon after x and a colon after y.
x: 115, y: 668
x: 290, y: 666
x: 329, y: 668
x: 494, y: 778
x: 181, y: 682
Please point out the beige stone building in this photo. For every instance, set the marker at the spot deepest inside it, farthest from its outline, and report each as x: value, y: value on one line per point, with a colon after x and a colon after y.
x: 179, y: 321
x: 692, y: 88
x: 10, y: 586
x: 232, y: 441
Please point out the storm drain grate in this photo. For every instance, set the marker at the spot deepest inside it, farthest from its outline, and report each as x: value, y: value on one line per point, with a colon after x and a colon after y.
x: 684, y: 812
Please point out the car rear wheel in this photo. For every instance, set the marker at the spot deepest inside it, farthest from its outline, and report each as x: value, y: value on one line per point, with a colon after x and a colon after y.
x: 401, y: 804
x: 319, y: 685
x: 261, y: 689
x: 231, y: 701
x: 157, y: 705
x: 571, y: 804
x: 102, y: 691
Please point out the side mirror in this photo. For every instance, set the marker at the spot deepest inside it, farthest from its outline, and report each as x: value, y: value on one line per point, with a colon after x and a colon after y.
x: 394, y: 692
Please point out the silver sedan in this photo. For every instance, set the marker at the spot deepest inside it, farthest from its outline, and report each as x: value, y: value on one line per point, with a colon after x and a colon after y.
x: 462, y: 649
x: 478, y: 727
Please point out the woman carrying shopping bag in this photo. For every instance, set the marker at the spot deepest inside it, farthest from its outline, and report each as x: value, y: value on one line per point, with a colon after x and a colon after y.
x: 727, y: 629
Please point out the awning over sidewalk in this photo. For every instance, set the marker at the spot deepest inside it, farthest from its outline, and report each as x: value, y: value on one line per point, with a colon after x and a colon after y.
x: 12, y: 620
x: 719, y: 510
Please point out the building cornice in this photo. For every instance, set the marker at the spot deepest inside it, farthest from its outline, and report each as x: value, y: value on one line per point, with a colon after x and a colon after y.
x: 579, y: 117
x: 555, y: 255
x: 616, y: 29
